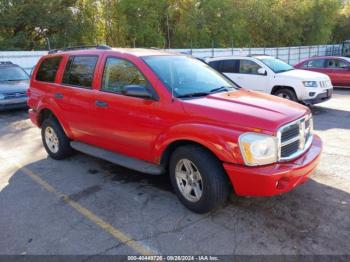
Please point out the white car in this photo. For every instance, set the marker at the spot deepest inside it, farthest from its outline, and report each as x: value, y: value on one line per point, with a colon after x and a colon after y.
x: 270, y: 75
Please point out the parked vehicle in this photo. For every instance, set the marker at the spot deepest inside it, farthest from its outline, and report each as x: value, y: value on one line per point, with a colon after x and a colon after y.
x: 336, y: 67
x: 273, y: 76
x: 157, y: 113
x: 14, y: 83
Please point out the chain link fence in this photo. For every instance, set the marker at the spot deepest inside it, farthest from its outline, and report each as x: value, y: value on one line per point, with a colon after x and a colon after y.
x: 292, y: 55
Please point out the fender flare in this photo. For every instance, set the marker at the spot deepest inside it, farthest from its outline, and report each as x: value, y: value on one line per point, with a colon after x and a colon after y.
x: 222, y: 142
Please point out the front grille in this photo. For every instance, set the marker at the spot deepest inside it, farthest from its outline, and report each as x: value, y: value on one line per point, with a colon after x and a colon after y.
x: 15, y: 95
x: 295, y: 138
x: 325, y: 84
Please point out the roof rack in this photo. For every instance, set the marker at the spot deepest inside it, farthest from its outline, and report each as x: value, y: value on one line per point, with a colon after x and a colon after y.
x: 100, y: 47
x: 6, y: 63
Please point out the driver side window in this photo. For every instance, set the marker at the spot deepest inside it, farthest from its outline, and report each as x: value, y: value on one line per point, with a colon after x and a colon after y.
x: 119, y: 73
x: 248, y: 67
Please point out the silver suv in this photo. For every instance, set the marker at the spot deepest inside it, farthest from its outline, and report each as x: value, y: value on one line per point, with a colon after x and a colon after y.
x: 14, y: 82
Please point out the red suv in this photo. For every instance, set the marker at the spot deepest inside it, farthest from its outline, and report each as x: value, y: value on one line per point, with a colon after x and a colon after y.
x: 159, y: 113
x: 336, y: 67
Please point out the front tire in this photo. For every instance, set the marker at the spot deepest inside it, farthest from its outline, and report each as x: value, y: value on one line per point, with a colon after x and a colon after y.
x: 287, y: 94
x: 55, y: 141
x: 198, y: 178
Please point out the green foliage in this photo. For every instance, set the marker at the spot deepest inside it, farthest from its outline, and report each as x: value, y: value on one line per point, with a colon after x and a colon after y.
x: 172, y: 23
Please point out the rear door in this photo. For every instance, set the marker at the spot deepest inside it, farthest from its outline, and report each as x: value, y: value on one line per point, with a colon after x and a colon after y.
x: 339, y: 72
x: 76, y: 96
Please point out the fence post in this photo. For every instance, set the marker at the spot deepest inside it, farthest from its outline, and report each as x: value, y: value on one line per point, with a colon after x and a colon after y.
x: 232, y: 46
x: 289, y: 55
x: 318, y: 50
x: 309, y: 51
x: 212, y: 48
x: 332, y: 49
x: 299, y: 54
x: 264, y: 50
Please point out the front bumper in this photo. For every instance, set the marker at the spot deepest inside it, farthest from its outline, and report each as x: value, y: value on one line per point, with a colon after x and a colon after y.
x: 319, y: 98
x: 16, y: 103
x: 276, y: 178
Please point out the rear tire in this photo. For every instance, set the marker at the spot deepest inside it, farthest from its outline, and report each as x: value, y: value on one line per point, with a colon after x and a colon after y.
x: 55, y: 141
x: 287, y: 94
x: 198, y: 178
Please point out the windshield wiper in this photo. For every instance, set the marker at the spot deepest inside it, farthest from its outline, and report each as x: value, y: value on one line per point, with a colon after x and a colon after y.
x: 221, y: 88
x: 10, y: 80
x: 197, y: 94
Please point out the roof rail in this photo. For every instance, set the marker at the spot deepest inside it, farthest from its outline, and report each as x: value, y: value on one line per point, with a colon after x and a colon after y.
x: 100, y: 47
x: 251, y: 55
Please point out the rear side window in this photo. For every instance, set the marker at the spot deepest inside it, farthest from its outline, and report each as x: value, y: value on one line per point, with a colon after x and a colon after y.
x: 48, y: 69
x: 215, y: 65
x: 228, y: 66
x: 119, y: 73
x: 316, y: 63
x: 80, y: 71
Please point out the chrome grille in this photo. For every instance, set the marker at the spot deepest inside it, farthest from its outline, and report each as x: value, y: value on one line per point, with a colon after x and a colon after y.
x: 325, y: 83
x: 295, y: 138
x: 15, y: 95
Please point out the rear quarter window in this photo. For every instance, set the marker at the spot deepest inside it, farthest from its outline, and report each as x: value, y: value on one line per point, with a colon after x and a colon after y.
x: 48, y: 69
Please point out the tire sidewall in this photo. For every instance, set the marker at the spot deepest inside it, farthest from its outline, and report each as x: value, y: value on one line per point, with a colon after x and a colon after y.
x: 288, y: 92
x: 208, y: 171
x: 64, y: 149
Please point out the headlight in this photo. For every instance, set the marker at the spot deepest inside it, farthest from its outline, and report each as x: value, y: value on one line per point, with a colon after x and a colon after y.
x: 310, y: 83
x: 258, y: 149
x: 2, y: 96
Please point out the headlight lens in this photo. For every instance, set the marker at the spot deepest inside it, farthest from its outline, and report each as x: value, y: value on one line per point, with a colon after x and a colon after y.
x: 258, y: 149
x: 2, y: 96
x: 310, y: 83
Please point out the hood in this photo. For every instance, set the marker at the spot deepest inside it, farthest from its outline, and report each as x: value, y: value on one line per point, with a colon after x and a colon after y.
x: 246, y: 110
x: 302, y: 75
x: 8, y: 87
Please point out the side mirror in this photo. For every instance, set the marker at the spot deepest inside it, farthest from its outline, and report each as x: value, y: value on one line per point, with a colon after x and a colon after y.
x: 137, y: 91
x: 262, y: 71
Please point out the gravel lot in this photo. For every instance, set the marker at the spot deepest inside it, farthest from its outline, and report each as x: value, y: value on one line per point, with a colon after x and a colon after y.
x: 87, y: 206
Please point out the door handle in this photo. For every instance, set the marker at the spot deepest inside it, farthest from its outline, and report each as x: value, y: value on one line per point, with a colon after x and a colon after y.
x: 101, y: 104
x: 58, y: 95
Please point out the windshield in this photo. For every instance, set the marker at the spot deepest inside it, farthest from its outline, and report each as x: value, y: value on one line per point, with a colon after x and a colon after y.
x: 188, y: 77
x: 276, y: 65
x: 12, y: 74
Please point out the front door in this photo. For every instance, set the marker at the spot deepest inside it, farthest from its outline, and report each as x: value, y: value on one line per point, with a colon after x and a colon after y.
x: 128, y: 125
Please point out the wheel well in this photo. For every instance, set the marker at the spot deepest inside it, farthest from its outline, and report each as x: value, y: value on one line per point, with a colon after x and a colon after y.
x: 173, y: 146
x: 45, y: 114
x: 276, y: 88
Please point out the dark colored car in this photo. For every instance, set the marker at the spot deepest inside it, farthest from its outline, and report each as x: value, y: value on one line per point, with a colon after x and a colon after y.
x: 14, y: 82
x: 336, y: 67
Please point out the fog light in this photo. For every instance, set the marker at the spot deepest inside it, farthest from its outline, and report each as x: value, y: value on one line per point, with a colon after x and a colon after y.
x: 312, y: 93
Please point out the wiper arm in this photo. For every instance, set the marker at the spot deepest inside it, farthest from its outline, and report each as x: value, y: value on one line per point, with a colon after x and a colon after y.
x: 221, y: 88
x: 193, y: 94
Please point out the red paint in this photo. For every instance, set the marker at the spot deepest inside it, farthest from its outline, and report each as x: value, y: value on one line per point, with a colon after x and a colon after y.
x: 144, y: 129
x: 340, y: 77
